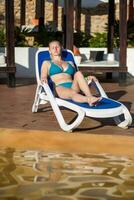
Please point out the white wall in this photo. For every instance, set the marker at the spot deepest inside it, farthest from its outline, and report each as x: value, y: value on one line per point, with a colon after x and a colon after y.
x: 130, y: 56
x: 25, y: 59
x: 130, y: 60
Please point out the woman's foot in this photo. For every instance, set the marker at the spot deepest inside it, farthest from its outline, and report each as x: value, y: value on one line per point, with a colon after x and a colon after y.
x: 92, y: 100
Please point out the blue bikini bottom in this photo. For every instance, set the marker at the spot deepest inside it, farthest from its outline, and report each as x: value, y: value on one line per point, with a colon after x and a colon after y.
x: 66, y: 84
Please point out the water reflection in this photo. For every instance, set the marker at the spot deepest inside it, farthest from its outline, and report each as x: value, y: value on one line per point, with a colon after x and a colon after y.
x: 7, y: 165
x: 61, y: 176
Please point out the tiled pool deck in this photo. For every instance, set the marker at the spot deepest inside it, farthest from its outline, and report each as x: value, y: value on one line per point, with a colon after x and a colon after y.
x: 16, y: 104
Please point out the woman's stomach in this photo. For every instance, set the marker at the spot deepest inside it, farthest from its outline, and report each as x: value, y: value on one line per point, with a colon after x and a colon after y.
x: 61, y: 78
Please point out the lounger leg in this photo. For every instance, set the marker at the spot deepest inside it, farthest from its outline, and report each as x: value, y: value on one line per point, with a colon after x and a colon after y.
x: 76, y: 122
x: 128, y: 119
x: 37, y: 99
x: 56, y: 103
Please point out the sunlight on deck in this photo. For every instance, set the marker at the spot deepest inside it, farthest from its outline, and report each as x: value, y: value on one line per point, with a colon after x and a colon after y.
x: 67, y: 142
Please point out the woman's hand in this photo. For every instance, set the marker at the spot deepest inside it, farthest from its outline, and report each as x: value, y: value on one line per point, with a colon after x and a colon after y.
x: 44, y: 80
x: 92, y: 78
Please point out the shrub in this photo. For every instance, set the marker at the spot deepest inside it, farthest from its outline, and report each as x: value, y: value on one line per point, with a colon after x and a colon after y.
x: 98, y: 40
x: 130, y: 33
x: 81, y: 39
x: 43, y: 37
x: 20, y: 37
x: 2, y: 37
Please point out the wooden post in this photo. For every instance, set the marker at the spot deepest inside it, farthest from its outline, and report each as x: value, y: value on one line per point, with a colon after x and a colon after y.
x: 78, y: 15
x: 39, y: 11
x: 69, y: 10
x: 123, y: 40
x: 22, y: 12
x: 131, y: 10
x: 64, y: 25
x: 110, y: 37
x: 10, y: 40
x: 55, y: 13
x: 111, y: 19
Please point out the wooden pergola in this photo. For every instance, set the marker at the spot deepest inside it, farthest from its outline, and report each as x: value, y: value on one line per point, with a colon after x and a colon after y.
x: 68, y: 19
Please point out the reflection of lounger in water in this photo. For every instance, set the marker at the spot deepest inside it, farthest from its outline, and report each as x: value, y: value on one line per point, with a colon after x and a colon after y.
x: 105, y: 108
x: 6, y: 172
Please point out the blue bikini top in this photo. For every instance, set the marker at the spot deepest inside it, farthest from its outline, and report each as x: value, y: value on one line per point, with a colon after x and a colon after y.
x: 56, y: 69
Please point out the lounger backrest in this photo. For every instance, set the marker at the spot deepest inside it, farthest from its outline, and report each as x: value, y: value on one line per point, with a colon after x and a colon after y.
x: 41, y: 56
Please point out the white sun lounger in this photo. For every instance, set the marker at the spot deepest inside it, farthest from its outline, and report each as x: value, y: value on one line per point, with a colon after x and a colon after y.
x: 106, y: 108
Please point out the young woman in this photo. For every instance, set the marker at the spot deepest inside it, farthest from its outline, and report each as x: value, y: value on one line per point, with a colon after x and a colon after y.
x: 68, y: 81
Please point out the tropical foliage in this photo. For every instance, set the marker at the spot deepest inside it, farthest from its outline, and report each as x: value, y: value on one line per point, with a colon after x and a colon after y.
x: 43, y: 36
x: 2, y: 37
x: 98, y: 40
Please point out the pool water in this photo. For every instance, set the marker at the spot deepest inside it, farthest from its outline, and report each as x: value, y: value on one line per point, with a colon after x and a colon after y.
x: 40, y: 175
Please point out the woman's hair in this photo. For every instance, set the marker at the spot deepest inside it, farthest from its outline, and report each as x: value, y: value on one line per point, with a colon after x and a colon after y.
x: 56, y: 42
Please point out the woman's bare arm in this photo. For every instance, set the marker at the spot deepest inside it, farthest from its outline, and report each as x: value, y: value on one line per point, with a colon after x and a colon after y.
x: 44, y: 71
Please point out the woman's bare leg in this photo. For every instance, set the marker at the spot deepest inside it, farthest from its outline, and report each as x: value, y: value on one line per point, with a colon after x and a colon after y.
x: 69, y: 93
x: 80, y: 83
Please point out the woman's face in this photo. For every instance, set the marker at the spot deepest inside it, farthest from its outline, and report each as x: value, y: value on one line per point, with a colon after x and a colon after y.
x: 55, y: 48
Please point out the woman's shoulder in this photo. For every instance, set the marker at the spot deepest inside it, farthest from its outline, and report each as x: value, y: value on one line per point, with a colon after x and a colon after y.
x: 46, y: 62
x: 71, y: 63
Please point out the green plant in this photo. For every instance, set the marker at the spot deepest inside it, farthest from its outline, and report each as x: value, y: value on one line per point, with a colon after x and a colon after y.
x: 130, y: 33
x: 98, y: 40
x: 2, y: 37
x: 43, y: 36
x: 81, y: 39
x: 20, y: 37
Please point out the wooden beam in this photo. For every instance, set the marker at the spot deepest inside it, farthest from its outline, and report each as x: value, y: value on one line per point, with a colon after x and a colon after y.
x: 9, y: 6
x: 111, y: 19
x: 69, y: 10
x: 123, y: 39
x: 39, y: 11
x: 102, y: 69
x: 78, y: 15
x: 10, y: 70
x: 22, y: 12
x: 55, y: 13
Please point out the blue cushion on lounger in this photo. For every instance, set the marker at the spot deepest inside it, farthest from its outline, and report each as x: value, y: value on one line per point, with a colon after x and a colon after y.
x: 104, y: 103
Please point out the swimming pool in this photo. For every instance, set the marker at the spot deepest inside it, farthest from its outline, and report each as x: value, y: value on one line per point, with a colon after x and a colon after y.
x: 31, y: 174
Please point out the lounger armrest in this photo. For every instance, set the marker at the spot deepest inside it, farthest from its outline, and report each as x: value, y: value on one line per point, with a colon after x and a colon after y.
x: 98, y: 87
